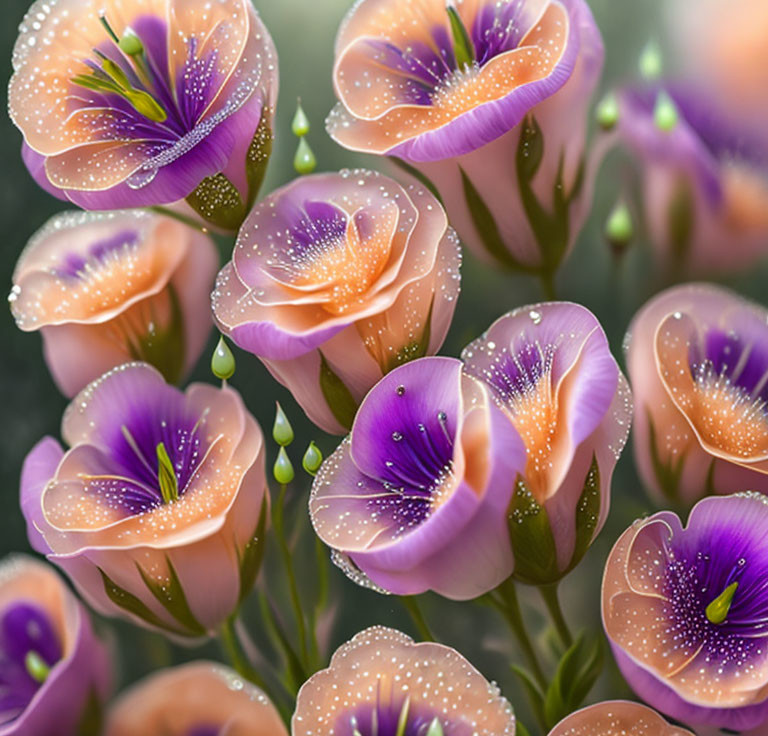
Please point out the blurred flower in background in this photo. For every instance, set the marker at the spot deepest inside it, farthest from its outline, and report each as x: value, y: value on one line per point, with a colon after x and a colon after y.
x: 139, y: 103
x: 195, y: 699
x: 549, y: 367
x: 335, y: 280
x: 381, y: 679
x: 158, y: 510
x: 489, y: 101
x: 684, y: 610
x: 54, y: 673
x: 697, y: 357
x: 416, y: 498
x: 108, y: 288
x: 616, y: 718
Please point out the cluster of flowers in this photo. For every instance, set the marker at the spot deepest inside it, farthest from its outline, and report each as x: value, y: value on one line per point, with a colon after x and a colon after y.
x: 455, y: 475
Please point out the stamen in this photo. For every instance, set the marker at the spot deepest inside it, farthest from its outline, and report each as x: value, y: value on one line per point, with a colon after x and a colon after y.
x: 402, y: 721
x: 37, y: 669
x: 717, y: 610
x: 166, y: 475
x: 103, y: 20
x: 463, y: 48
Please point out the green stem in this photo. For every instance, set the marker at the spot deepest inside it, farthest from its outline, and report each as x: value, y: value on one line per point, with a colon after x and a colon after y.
x: 179, y: 216
x: 547, y: 280
x: 552, y: 601
x: 411, y: 604
x: 321, y: 601
x: 285, y: 553
x: 510, y: 608
x: 294, y: 674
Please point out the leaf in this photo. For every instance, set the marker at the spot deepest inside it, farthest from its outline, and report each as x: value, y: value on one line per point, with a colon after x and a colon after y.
x: 587, y: 513
x: 338, y: 397
x: 218, y: 202
x: 417, y: 348
x: 130, y: 603
x: 173, y: 599
x: 257, y: 158
x: 487, y: 229
x: 250, y: 559
x: 668, y: 473
x: 531, y: 536
x: 416, y: 174
x: 520, y: 729
x: 532, y: 691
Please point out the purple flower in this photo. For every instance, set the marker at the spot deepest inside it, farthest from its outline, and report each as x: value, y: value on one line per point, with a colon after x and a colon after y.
x: 416, y: 497
x: 686, y: 611
x: 135, y: 104
x: 54, y: 672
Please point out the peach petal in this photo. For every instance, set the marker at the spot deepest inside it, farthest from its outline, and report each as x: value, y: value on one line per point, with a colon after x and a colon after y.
x: 616, y: 718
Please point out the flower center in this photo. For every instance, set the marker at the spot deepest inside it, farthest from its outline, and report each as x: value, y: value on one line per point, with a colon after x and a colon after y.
x: 101, y: 259
x: 387, y: 719
x: 717, y: 610
x: 30, y: 648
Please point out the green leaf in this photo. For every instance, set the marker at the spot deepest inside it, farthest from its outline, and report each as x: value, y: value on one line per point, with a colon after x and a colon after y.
x: 417, y: 348
x: 530, y: 150
x: 487, y: 229
x: 131, y: 604
x: 531, y: 536
x: 163, y: 347
x: 92, y: 716
x: 257, y: 158
x: 218, y: 202
x: 532, y: 691
x: 338, y: 397
x: 667, y: 473
x: 681, y: 216
x: 587, y: 513
x: 249, y: 560
x: 520, y: 729
x: 173, y: 599
x: 416, y: 174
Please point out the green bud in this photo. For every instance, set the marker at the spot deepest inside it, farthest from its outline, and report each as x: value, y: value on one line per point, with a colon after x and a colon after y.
x: 130, y: 44
x: 37, y: 669
x: 607, y: 113
x: 619, y: 229
x: 300, y: 124
x: 312, y: 459
x: 304, y: 161
x: 463, y: 48
x: 717, y: 610
x: 651, y: 63
x: 435, y: 729
x: 283, y: 470
x: 402, y: 721
x: 166, y: 475
x: 665, y: 113
x: 222, y: 361
x: 282, y: 431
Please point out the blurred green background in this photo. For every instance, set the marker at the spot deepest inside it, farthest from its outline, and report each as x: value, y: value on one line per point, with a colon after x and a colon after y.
x: 304, y: 31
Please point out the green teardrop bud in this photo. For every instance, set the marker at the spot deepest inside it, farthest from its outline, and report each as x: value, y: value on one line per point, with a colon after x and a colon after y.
x: 665, y: 113
x: 283, y: 470
x: 463, y: 48
x: 282, y: 431
x: 607, y: 113
x: 37, y: 669
x: 130, y: 44
x: 619, y: 229
x: 435, y: 729
x: 300, y: 124
x: 717, y: 610
x: 166, y: 475
x: 304, y: 161
x: 312, y: 459
x: 222, y: 361
x: 402, y: 721
x: 651, y: 63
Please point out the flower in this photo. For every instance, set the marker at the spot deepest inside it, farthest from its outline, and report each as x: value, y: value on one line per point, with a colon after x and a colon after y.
x: 54, y: 672
x: 115, y: 287
x: 157, y: 511
x: 684, y: 611
x: 550, y: 369
x: 335, y: 280
x: 378, y: 678
x: 194, y: 699
x: 616, y: 718
x: 697, y: 357
x: 416, y: 497
x: 138, y: 103
x: 703, y: 179
x: 489, y: 101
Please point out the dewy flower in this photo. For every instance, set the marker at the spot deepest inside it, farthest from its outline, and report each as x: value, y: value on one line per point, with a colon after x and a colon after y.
x: 108, y: 288
x: 335, y: 280
x: 146, y: 102
x: 685, y: 610
x: 616, y: 718
x: 703, y: 179
x: 157, y: 510
x: 550, y: 369
x: 195, y: 699
x: 697, y: 357
x: 489, y: 101
x: 416, y: 497
x: 54, y: 672
x: 382, y: 683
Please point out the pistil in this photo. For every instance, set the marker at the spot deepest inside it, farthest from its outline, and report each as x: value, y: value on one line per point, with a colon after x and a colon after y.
x: 717, y: 611
x: 166, y: 475
x: 463, y: 48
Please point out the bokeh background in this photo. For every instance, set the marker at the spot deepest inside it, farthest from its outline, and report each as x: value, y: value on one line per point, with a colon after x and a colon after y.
x: 613, y: 288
